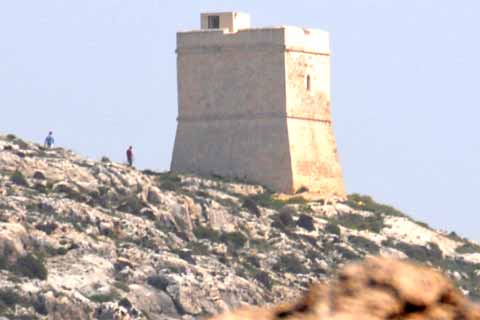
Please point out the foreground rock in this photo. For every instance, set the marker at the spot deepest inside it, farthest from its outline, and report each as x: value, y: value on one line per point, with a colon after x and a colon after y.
x: 376, y: 289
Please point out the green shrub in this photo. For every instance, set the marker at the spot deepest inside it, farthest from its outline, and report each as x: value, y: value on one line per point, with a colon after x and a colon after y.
x: 347, y: 254
x: 40, y: 188
x: 234, y: 240
x: 102, y: 298
x: 19, y: 179
x: 159, y: 282
x: 306, y: 222
x: 372, y: 223
x: 251, y: 206
x: 69, y: 192
x: 297, y: 200
x: 365, y: 244
x: 261, y: 245
x: 9, y: 298
x: 468, y: 247
x: 105, y: 159
x: 263, y: 278
x: 202, y: 194
x: 429, y: 253
x: 290, y: 263
x: 21, y: 144
x: 454, y: 236
x: 31, y: 267
x: 38, y: 175
x: 267, y: 200
x: 131, y: 204
x: 3, y: 262
x: 302, y: 190
x: 283, y: 219
x: 332, y: 228
x: 39, y: 305
x: 169, y: 181
x: 11, y: 137
x: 47, y: 227
x: 185, y: 255
x: 199, y: 249
x: 202, y: 232
x: 362, y: 202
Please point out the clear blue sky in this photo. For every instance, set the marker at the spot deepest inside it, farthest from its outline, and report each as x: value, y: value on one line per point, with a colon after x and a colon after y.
x: 101, y: 75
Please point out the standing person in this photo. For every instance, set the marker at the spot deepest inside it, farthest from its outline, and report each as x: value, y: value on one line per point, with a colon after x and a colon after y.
x: 49, y: 141
x: 130, y: 156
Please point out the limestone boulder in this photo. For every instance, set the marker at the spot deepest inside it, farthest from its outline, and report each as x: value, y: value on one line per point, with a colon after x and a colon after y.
x: 378, y: 288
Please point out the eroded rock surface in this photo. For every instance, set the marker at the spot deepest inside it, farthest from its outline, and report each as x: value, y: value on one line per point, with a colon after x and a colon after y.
x: 84, y: 239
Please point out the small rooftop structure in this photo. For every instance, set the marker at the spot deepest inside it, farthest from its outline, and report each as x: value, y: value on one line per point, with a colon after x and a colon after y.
x: 232, y: 21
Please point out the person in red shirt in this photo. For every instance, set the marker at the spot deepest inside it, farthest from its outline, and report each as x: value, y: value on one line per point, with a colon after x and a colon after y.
x: 130, y: 156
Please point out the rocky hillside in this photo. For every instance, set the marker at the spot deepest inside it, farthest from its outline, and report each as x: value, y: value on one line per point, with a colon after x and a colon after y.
x: 83, y: 239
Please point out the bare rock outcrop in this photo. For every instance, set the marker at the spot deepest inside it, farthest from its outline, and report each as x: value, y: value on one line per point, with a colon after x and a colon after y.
x: 376, y: 289
x: 84, y: 239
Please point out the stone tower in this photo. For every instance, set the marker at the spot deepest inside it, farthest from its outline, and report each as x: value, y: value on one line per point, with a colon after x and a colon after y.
x: 254, y: 103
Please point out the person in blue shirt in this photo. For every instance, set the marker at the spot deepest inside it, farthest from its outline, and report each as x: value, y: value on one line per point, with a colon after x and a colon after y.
x: 49, y: 141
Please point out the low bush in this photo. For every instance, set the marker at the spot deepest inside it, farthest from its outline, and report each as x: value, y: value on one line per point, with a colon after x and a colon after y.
x: 169, y: 181
x: 47, y: 227
x: 267, y: 200
x: 131, y: 204
x: 362, y: 202
x: 306, y: 222
x: 199, y: 249
x: 19, y: 179
x: 105, y: 159
x: 296, y: 200
x: 430, y: 253
x: 263, y: 278
x: 40, y: 188
x: 39, y: 305
x: 159, y: 282
x: 302, y: 190
x: 38, y: 175
x: 372, y: 223
x: 8, y: 298
x: 283, y: 219
x: 202, y: 232
x: 31, y: 267
x: 234, y: 240
x: 290, y: 263
x: 332, y: 228
x: 251, y: 206
x: 102, y: 298
x: 468, y: 247
x: 69, y: 192
x: 365, y: 244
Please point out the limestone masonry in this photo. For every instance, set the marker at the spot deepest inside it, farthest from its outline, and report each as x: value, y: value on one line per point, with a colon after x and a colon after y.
x: 254, y: 103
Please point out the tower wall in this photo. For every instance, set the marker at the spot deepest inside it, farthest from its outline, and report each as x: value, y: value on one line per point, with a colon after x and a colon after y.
x: 231, y: 119
x: 312, y: 145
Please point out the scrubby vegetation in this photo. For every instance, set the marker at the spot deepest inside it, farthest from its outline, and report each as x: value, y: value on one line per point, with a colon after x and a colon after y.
x: 372, y: 223
x: 31, y: 267
x: 290, y: 263
x: 19, y: 179
x: 234, y: 240
x: 362, y: 202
